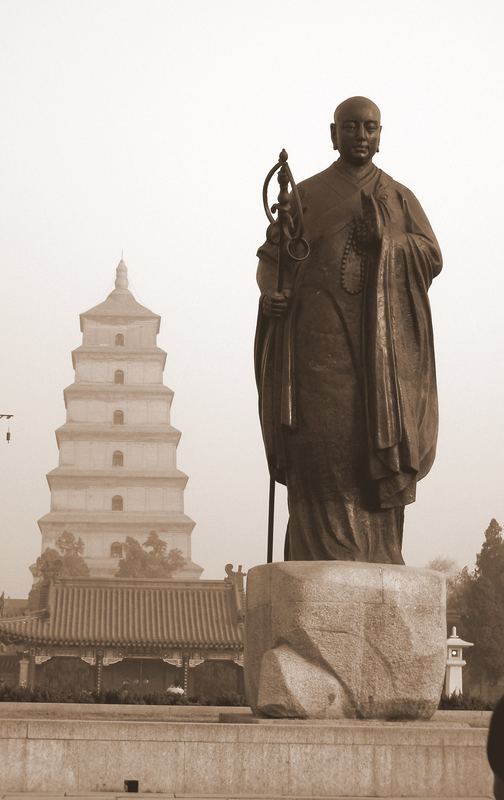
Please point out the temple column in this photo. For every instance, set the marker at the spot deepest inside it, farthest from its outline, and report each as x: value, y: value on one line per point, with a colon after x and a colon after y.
x: 98, y: 670
x: 185, y: 666
x: 24, y: 668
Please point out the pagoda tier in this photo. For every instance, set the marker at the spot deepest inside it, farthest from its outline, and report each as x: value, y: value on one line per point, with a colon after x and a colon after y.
x: 117, y: 474
x: 88, y: 431
x: 145, y: 355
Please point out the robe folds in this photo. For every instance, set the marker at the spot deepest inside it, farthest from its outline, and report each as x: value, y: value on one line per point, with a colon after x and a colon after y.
x: 346, y: 378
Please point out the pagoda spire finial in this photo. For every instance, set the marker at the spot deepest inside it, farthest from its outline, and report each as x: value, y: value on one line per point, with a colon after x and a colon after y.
x: 121, y: 281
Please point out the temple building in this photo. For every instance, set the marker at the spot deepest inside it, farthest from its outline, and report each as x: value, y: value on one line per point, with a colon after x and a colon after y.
x: 139, y: 635
x: 117, y: 477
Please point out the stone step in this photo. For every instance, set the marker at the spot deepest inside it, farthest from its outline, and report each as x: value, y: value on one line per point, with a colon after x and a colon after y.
x: 293, y: 759
x: 178, y: 796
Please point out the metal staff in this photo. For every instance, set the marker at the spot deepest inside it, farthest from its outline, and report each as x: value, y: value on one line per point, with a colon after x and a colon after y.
x: 284, y: 231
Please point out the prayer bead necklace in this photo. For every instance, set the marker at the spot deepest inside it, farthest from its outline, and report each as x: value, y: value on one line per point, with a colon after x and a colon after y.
x: 352, y: 280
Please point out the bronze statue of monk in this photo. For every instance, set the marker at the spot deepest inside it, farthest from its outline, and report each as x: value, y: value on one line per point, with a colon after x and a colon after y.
x: 345, y: 357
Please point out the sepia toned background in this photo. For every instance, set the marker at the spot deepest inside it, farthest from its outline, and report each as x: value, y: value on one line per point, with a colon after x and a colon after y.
x: 148, y: 127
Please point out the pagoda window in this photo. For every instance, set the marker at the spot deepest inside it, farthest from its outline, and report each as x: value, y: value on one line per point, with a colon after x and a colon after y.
x: 116, y: 550
x: 118, y: 417
x: 119, y: 340
x: 117, y: 503
x: 118, y: 376
x: 118, y: 459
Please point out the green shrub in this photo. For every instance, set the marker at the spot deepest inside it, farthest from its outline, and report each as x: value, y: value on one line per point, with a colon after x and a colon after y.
x: 40, y: 694
x: 464, y: 702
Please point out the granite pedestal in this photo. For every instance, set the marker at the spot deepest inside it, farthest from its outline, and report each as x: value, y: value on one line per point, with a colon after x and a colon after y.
x: 337, y: 639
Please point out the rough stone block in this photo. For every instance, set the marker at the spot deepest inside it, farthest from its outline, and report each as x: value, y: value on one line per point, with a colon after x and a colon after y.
x: 333, y: 639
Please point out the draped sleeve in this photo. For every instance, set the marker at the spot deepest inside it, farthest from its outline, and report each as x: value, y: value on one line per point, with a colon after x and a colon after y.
x: 400, y: 377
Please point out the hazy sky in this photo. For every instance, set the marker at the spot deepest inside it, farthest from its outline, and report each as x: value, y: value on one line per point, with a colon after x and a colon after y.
x: 150, y: 126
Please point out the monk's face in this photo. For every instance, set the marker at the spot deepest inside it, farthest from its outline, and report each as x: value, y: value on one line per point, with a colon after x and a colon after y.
x: 356, y: 130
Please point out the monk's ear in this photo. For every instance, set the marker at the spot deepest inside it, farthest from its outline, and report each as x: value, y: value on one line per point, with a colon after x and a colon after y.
x: 379, y: 137
x: 334, y: 136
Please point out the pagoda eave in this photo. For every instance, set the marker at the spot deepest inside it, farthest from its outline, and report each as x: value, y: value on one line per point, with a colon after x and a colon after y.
x: 118, y: 318
x: 118, y: 520
x: 115, y: 391
x: 98, y: 352
x: 62, y: 477
x: 110, y: 432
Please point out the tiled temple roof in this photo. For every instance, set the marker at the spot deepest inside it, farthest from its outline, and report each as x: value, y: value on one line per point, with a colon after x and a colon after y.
x: 120, y: 612
x: 13, y: 606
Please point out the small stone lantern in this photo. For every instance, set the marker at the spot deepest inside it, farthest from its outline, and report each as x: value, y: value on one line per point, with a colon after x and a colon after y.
x: 454, y: 663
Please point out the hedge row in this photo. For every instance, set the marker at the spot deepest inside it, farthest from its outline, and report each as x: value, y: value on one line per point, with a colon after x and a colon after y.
x: 40, y: 694
x: 17, y: 694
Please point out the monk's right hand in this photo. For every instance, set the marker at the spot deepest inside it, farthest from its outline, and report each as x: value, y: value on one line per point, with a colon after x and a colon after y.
x: 275, y: 304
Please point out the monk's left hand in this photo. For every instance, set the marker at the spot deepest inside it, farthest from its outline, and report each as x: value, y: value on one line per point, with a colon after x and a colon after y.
x: 371, y: 217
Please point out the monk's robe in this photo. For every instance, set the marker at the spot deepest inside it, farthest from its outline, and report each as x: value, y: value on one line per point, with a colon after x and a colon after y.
x: 346, y: 378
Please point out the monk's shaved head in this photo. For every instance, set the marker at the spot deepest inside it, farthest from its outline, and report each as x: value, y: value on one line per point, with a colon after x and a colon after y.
x: 348, y: 107
x: 356, y: 130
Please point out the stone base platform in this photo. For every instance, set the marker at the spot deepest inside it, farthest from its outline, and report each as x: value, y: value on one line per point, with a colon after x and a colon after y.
x: 273, y: 759
x: 341, y: 639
